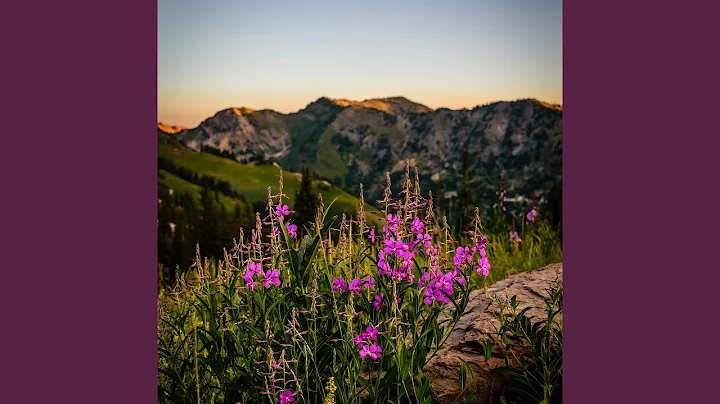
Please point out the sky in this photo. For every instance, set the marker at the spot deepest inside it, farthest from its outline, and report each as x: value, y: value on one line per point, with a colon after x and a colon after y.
x: 283, y: 55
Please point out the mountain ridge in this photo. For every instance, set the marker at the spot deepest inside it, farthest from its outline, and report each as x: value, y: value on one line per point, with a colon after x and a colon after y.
x: 353, y: 142
x: 347, y: 102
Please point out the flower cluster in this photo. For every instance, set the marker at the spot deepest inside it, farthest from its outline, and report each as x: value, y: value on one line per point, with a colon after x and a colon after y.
x: 531, y: 216
x: 438, y: 286
x: 270, y: 277
x: 367, y: 343
x: 396, y: 257
x: 355, y: 286
x: 330, y: 388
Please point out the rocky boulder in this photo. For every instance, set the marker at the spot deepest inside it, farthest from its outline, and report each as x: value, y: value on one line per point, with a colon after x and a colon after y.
x: 465, y: 341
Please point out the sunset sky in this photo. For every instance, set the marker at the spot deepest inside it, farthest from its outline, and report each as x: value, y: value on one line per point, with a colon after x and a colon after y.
x: 282, y: 55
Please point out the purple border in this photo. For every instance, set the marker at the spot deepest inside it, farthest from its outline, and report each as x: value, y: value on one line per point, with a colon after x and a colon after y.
x: 80, y: 95
x: 639, y: 129
x: 79, y: 202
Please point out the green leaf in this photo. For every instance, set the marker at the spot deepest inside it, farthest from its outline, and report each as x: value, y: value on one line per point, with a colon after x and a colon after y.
x: 487, y: 350
x: 463, y: 375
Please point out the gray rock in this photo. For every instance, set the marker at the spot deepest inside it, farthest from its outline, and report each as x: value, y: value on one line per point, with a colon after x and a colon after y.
x: 443, y: 370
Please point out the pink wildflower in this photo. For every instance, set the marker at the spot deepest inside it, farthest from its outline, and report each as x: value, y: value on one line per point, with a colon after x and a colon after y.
x: 272, y: 277
x: 355, y: 286
x: 531, y: 216
x: 286, y: 397
x: 292, y: 230
x: 339, y: 284
x: 282, y: 211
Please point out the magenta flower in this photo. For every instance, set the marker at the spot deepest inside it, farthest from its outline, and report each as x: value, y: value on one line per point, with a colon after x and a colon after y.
x: 286, y: 397
x: 355, y: 286
x: 437, y: 285
x: 253, y: 268
x: 531, y: 216
x: 392, y: 222
x: 292, y: 230
x: 483, y: 267
x: 274, y: 232
x: 282, y: 211
x: 462, y: 255
x: 369, y: 282
x: 383, y: 266
x: 480, y: 245
x: 417, y: 226
x: 248, y: 277
x: 358, y: 340
x: 372, y: 235
x: 423, y: 239
x: 374, y: 351
x: 370, y: 333
x: 339, y: 284
x: 367, y: 342
x: 397, y: 248
x: 272, y: 277
x: 378, y: 302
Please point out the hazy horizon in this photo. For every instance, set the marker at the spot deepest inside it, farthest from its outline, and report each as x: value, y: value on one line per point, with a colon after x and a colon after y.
x: 283, y: 55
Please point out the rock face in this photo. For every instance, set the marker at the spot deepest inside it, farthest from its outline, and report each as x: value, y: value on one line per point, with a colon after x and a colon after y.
x: 354, y: 142
x: 464, y: 342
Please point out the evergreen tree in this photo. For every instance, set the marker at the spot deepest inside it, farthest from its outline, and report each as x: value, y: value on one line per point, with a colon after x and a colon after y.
x: 465, y: 197
x: 209, y: 227
x: 305, y: 202
x: 165, y: 207
x: 183, y: 252
x: 554, y: 207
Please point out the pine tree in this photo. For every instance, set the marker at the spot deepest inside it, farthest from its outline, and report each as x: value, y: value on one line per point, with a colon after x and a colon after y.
x: 305, y: 202
x: 165, y: 208
x: 209, y: 226
x: 465, y: 198
x: 554, y: 208
x: 182, y: 251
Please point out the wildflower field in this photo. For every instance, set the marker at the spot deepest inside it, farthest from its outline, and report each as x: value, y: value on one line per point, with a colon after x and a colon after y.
x: 349, y: 309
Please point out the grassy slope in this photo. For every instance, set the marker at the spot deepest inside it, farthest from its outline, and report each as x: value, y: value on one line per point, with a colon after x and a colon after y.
x: 250, y: 180
x: 178, y: 184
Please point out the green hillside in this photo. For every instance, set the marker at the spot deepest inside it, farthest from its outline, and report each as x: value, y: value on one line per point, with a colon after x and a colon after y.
x: 177, y: 184
x: 251, y: 181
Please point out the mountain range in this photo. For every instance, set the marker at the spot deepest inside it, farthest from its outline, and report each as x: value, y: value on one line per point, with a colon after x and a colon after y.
x: 518, y: 143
